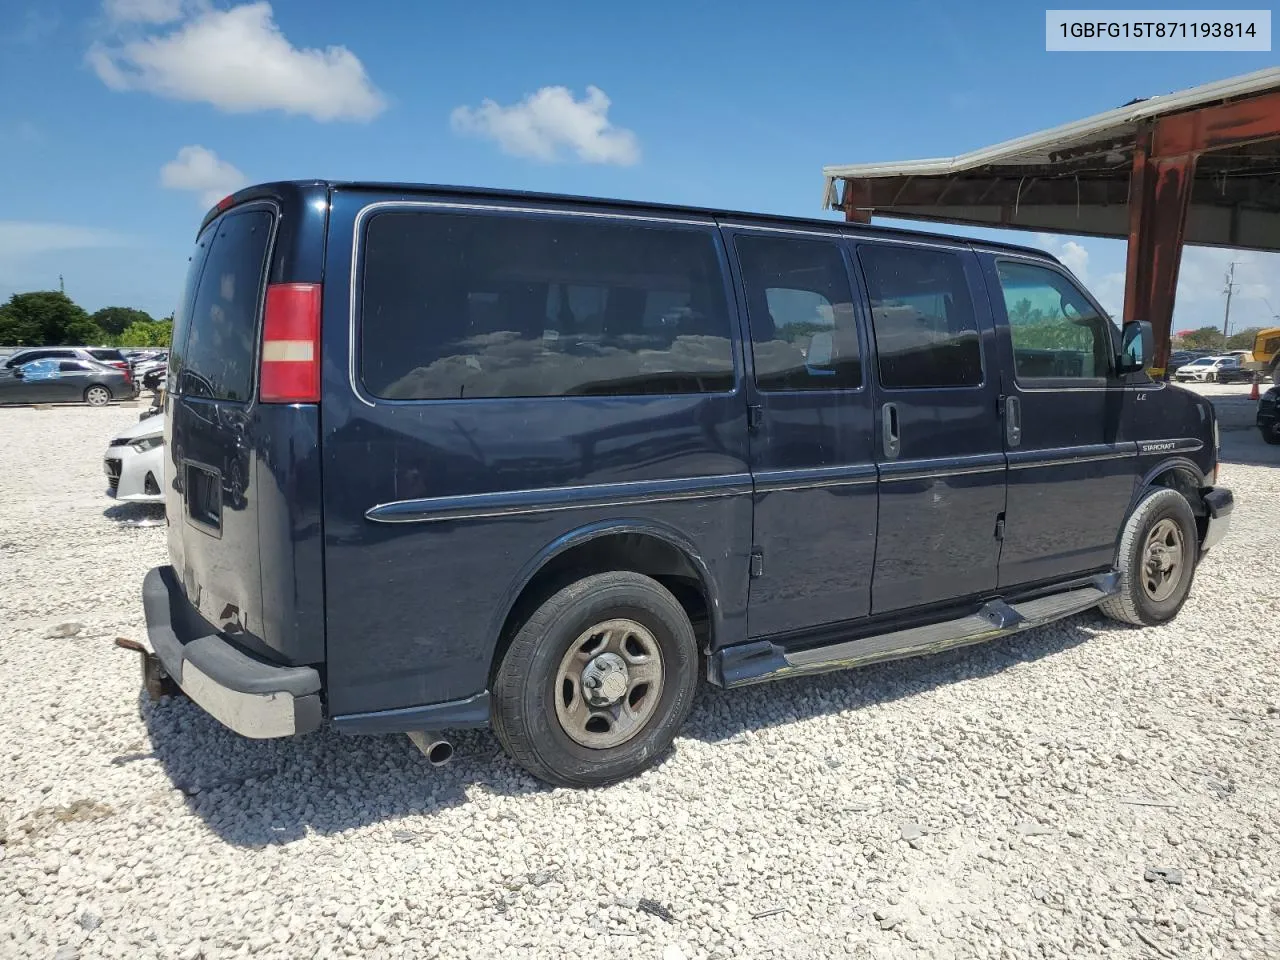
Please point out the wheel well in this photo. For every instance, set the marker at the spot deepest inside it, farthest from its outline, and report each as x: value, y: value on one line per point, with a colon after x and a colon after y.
x: 1187, y: 484
x: 636, y: 552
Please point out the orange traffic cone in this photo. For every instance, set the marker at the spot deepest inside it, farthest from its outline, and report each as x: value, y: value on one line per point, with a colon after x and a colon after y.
x: 1253, y: 394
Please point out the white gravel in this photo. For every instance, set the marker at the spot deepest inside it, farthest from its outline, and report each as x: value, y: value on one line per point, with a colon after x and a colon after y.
x: 1006, y: 800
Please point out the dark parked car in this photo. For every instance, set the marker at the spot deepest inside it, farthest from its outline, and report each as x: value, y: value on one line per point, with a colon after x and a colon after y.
x: 565, y: 458
x: 1235, y: 373
x: 1269, y: 415
x: 1180, y: 358
x: 51, y: 380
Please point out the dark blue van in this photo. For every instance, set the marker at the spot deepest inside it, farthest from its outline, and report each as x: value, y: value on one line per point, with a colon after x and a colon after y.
x: 445, y: 457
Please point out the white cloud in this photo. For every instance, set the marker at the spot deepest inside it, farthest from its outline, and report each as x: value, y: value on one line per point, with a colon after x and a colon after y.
x: 1073, y: 255
x: 143, y: 11
x: 20, y: 239
x: 1110, y: 293
x: 545, y: 123
x: 239, y: 61
x: 200, y: 170
x: 1202, y: 281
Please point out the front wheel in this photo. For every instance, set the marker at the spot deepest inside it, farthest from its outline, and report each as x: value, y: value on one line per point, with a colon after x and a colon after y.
x: 1156, y: 560
x: 597, y: 682
x: 97, y: 396
x: 1210, y: 377
x: 1271, y: 432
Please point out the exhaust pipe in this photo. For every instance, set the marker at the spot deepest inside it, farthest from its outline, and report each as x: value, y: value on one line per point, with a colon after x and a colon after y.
x: 432, y: 745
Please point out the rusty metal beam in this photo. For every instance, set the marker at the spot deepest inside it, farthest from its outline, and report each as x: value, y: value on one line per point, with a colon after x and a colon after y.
x: 1215, y: 128
x: 856, y: 202
x: 1160, y: 197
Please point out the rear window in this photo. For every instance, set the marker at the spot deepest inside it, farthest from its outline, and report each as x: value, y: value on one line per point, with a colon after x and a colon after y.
x: 218, y: 330
x: 462, y: 306
x: 107, y: 355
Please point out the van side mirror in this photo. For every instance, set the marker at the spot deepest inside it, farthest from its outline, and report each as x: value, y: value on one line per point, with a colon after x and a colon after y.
x: 1137, y: 347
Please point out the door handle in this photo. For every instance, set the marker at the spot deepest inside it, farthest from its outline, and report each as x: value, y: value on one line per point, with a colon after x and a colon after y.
x: 889, y: 435
x: 1013, y: 420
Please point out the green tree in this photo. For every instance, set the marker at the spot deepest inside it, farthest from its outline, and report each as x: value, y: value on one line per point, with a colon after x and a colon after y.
x: 147, y: 333
x: 115, y: 320
x: 1037, y: 328
x: 1243, y: 339
x: 1205, y: 338
x: 46, y: 318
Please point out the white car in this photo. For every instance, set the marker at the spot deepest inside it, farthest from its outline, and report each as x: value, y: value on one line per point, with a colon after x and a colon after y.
x: 134, y: 463
x: 1206, y: 369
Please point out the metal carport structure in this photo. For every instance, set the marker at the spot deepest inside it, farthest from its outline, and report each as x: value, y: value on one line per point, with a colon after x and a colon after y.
x: 1201, y: 166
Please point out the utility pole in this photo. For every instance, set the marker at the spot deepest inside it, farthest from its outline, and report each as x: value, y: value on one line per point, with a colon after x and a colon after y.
x: 1231, y: 284
x: 62, y: 287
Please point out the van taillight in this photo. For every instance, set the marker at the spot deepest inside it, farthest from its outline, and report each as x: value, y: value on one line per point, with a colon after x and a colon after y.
x: 291, y: 344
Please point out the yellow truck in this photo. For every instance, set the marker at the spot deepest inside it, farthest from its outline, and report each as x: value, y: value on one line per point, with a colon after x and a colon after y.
x: 1266, y: 354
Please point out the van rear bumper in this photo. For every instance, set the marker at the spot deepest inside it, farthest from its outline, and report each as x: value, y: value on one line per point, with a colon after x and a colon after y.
x: 250, y: 695
x: 1219, y: 503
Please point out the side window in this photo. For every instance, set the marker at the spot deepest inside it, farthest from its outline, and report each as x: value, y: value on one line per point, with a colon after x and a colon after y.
x: 804, y: 333
x: 1054, y: 329
x: 70, y: 366
x: 182, y: 314
x: 217, y: 358
x: 43, y: 369
x: 464, y: 305
x: 926, y: 332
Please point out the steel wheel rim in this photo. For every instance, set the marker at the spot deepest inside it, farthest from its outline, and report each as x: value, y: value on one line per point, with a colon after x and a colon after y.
x: 624, y: 662
x: 1163, y: 560
x: 97, y: 397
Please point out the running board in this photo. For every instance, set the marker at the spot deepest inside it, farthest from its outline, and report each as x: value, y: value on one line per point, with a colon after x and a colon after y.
x: 762, y: 660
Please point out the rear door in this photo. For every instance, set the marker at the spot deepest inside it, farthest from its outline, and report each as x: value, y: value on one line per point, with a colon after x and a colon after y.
x: 812, y: 458
x: 939, y: 441
x: 73, y: 377
x: 211, y: 497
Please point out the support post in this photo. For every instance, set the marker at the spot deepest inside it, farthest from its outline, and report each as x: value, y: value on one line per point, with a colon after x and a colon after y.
x: 856, y: 202
x: 1160, y: 196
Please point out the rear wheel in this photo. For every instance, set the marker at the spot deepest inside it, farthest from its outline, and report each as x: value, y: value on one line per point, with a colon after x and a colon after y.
x: 1271, y: 432
x: 97, y: 396
x: 1157, y: 559
x: 597, y: 682
x: 1210, y: 377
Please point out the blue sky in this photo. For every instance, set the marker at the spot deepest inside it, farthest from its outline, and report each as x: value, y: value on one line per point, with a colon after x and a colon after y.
x: 133, y: 113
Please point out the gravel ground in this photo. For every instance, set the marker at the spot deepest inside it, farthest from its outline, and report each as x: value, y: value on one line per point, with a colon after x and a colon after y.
x: 1007, y: 800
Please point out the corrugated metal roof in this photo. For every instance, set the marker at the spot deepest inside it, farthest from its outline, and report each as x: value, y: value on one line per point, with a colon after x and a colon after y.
x: 1035, y: 148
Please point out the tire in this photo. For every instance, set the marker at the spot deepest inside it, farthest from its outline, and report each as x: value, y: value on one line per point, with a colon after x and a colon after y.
x: 1271, y: 432
x: 1161, y: 511
x: 97, y: 395
x: 555, y: 650
x: 1210, y: 377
